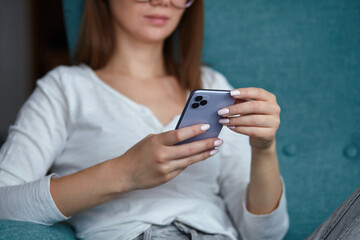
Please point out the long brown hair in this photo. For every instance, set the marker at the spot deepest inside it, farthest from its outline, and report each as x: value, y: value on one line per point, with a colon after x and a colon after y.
x: 182, y: 49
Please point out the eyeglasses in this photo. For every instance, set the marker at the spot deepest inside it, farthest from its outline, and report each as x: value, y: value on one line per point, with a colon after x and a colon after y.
x: 175, y: 3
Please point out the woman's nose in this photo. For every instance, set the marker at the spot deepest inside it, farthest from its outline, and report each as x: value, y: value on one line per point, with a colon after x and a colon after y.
x: 165, y: 3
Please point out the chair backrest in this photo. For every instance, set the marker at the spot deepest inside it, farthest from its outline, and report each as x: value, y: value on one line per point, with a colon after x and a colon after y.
x: 307, y: 53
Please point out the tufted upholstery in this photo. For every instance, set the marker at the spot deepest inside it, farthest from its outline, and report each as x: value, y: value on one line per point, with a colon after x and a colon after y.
x: 307, y: 53
x: 16, y: 230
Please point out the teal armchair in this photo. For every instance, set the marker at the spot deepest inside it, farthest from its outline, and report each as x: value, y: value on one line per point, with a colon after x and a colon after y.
x: 308, y: 54
x: 30, y: 231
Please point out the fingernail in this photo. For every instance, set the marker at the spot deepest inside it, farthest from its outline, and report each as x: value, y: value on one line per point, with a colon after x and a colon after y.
x: 235, y: 93
x: 231, y: 127
x: 213, y: 152
x: 224, y: 120
x: 223, y: 111
x: 205, y: 127
x: 218, y: 142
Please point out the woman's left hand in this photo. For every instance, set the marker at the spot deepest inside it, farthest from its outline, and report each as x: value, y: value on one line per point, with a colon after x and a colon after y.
x: 255, y: 113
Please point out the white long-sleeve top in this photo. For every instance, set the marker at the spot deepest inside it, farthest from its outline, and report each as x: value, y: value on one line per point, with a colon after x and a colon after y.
x: 73, y: 120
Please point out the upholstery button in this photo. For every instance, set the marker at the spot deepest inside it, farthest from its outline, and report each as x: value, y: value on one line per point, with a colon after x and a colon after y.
x: 351, y: 151
x: 290, y: 150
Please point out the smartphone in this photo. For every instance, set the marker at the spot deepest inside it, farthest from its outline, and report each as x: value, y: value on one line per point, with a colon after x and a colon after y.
x: 201, y: 107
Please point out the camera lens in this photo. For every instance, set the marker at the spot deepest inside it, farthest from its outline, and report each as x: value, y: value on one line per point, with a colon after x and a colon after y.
x: 195, y: 105
x: 198, y: 98
x: 203, y: 102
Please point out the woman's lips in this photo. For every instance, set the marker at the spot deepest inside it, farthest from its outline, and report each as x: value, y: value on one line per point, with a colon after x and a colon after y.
x: 157, y: 19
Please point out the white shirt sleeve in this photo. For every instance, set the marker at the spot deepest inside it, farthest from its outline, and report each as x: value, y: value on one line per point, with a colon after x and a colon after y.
x: 234, y: 179
x: 33, y: 143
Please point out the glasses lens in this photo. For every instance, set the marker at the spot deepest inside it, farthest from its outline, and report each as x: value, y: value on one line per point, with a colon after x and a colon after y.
x: 182, y: 3
x: 176, y: 3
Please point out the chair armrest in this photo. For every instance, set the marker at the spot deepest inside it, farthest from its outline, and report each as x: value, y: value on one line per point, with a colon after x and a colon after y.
x: 30, y: 231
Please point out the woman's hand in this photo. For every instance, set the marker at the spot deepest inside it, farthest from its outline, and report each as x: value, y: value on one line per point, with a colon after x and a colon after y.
x: 155, y: 160
x: 151, y: 162
x: 255, y: 113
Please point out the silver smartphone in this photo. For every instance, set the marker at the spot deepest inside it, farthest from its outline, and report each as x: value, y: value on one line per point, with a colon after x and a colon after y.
x: 202, y: 107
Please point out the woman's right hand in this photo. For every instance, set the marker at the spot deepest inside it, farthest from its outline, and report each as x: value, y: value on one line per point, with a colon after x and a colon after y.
x: 155, y: 160
x: 149, y: 163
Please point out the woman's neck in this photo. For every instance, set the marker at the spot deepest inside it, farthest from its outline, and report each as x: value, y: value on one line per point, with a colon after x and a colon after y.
x: 137, y: 59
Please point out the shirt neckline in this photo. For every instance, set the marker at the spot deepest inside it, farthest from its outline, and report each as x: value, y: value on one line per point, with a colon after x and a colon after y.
x: 129, y: 100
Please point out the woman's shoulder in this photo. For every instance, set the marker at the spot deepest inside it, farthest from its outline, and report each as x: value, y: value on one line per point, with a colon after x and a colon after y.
x: 62, y: 77
x: 62, y: 72
x: 212, y: 79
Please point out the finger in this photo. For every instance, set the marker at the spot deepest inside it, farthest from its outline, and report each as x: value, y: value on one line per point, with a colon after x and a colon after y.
x: 189, y: 149
x: 184, y: 162
x: 250, y: 107
x: 241, y: 101
x: 252, y: 93
x: 175, y: 136
x: 257, y: 132
x: 251, y: 121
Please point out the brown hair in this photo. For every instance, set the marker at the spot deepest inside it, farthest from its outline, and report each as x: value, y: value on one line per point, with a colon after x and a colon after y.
x: 96, y: 42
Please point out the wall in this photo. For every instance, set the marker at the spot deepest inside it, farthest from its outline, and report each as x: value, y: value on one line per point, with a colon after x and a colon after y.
x: 15, y: 59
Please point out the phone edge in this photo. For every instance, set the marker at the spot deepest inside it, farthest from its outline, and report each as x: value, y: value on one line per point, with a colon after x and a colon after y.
x: 188, y: 101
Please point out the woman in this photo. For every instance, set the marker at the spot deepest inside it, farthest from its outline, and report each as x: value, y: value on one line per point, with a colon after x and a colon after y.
x: 104, y: 128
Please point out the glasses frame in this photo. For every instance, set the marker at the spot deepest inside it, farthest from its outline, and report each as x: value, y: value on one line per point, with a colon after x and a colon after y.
x: 172, y: 3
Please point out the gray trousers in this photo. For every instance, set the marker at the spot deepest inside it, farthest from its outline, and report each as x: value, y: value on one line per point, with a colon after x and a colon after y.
x: 177, y: 231
x: 344, y: 223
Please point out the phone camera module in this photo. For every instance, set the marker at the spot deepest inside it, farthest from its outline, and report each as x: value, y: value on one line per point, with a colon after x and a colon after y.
x: 195, y: 105
x: 198, y: 98
x: 203, y: 102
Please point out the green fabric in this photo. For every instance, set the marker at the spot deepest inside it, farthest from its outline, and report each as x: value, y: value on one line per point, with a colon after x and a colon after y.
x: 23, y: 230
x: 307, y: 53
x: 72, y: 13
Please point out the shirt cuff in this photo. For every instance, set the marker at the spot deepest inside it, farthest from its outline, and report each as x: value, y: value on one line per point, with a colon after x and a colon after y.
x: 30, y: 202
x: 55, y: 214
x: 266, y: 226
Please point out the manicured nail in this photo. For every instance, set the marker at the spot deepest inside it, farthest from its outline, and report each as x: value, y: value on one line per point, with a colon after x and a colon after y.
x: 218, y: 142
x: 223, y: 111
x: 213, y: 152
x: 235, y: 93
x: 231, y: 127
x: 224, y: 120
x: 205, y: 127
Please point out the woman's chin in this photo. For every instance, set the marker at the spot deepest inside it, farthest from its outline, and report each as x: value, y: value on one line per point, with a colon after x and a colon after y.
x: 154, y: 38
